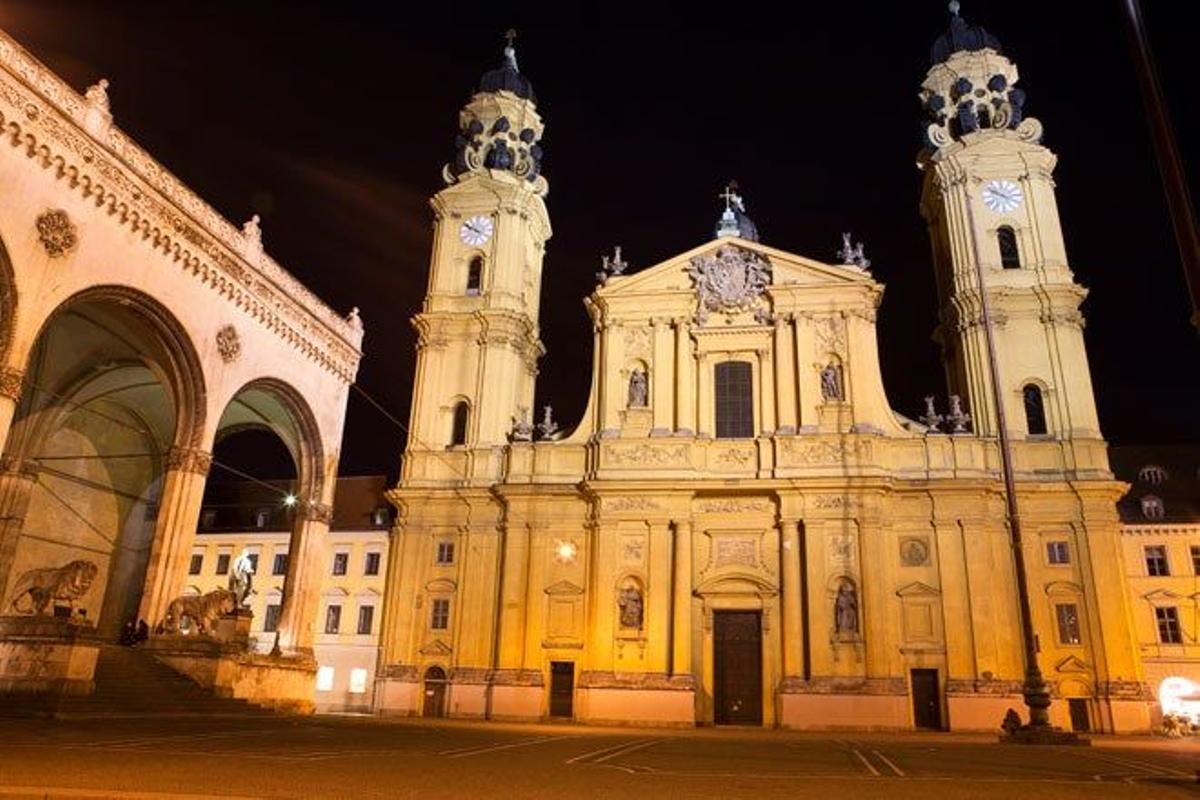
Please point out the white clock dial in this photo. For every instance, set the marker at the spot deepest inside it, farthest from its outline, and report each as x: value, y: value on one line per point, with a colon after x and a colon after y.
x: 476, y: 231
x: 1002, y: 197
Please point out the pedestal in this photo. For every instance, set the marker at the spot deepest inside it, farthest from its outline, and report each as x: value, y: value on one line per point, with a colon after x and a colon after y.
x: 46, y: 656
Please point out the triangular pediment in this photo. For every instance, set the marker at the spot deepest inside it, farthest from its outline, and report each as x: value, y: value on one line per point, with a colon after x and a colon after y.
x: 564, y: 587
x: 917, y: 589
x: 1072, y: 664
x: 1162, y: 595
x: 436, y: 648
x: 787, y: 269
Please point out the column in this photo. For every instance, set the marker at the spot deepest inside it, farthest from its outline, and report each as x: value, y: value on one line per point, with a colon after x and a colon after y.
x: 11, y: 382
x: 664, y: 378
x: 807, y: 379
x: 302, y: 587
x: 793, y: 621
x: 681, y: 624
x: 659, y: 599
x: 514, y: 591
x: 706, y: 420
x: 174, y: 530
x: 766, y: 392
x: 685, y: 380
x: 17, y: 479
x: 785, y: 376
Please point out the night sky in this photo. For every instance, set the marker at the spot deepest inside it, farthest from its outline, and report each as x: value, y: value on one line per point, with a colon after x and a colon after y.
x: 333, y: 123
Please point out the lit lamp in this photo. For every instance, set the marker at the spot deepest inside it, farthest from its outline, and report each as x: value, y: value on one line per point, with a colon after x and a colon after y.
x: 289, y: 500
x: 565, y: 552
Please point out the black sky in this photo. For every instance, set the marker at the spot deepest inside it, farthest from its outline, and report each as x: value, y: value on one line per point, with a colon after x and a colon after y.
x: 333, y: 121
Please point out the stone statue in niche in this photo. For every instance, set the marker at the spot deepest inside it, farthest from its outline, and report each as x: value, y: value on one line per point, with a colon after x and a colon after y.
x: 639, y: 392
x: 630, y: 605
x: 241, y: 577
x: 845, y: 609
x: 831, y: 383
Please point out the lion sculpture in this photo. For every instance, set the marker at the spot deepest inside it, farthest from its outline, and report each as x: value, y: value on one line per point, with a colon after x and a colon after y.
x: 44, y: 587
x: 202, y: 611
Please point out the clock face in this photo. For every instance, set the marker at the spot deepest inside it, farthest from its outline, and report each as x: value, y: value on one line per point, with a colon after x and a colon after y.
x: 1002, y: 197
x: 476, y: 231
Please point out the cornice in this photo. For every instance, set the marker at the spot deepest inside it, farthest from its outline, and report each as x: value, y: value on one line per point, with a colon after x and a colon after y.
x: 47, y: 119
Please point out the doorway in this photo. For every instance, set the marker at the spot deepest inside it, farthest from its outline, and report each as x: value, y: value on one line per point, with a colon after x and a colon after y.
x: 927, y: 703
x: 435, y: 692
x: 1080, y: 720
x: 737, y: 668
x: 562, y: 689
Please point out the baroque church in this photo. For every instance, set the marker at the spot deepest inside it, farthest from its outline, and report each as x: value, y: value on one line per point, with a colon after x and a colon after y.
x: 741, y: 529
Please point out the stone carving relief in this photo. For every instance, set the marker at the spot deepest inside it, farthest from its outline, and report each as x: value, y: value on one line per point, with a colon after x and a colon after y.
x: 12, y: 381
x: 809, y: 453
x: 631, y: 504
x: 833, y: 501
x: 830, y: 336
x: 630, y: 604
x: 229, y: 344
x: 197, y: 462
x: 914, y: 551
x: 632, y: 548
x: 637, y: 341
x: 733, y: 505
x: 37, y: 591
x: 56, y: 232
x: 735, y: 552
x: 842, y: 553
x: 648, y: 455
x: 733, y: 279
x: 201, y: 612
x: 734, y: 456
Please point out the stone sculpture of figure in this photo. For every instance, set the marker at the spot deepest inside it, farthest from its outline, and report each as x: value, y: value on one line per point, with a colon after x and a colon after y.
x: 846, y: 254
x: 831, y: 384
x: 97, y: 95
x: 252, y: 230
x: 37, y: 591
x: 958, y: 419
x: 547, y: 427
x: 522, y: 430
x: 845, y: 608
x: 931, y: 418
x: 630, y: 603
x: 354, y: 319
x: 241, y: 577
x: 638, y: 389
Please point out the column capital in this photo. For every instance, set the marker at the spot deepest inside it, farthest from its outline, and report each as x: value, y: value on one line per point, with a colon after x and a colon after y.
x: 12, y: 465
x: 12, y: 381
x: 193, y: 460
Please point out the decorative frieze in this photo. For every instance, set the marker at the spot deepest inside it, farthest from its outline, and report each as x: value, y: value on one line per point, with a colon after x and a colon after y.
x: 844, y: 685
x: 647, y: 455
x: 986, y: 685
x: 1124, y: 690
x: 197, y: 462
x: 806, y: 452
x: 631, y: 504
x: 597, y: 679
x: 735, y: 505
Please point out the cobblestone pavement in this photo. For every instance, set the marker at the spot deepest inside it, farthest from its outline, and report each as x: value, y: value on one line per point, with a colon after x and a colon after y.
x: 363, y: 757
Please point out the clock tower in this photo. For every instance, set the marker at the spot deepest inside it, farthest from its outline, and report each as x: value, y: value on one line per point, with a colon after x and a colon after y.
x: 988, y: 197
x: 478, y: 340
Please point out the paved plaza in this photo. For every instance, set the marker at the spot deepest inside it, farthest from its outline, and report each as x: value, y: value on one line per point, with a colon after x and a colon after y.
x: 231, y: 757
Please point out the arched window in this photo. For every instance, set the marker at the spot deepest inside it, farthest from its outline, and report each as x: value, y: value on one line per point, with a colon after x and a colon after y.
x: 474, y: 275
x: 458, y: 431
x: 1152, y: 474
x: 1152, y: 507
x: 1035, y: 410
x: 1010, y: 257
x: 734, y: 395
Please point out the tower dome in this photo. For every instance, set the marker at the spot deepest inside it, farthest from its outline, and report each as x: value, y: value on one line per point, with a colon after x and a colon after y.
x: 961, y: 36
x: 507, y: 77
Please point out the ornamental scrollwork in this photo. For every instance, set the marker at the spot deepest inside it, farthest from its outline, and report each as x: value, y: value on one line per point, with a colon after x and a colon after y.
x: 229, y: 344
x: 733, y: 279
x: 182, y: 459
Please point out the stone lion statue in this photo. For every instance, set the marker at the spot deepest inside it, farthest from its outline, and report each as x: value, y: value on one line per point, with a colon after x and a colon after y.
x: 202, y: 610
x: 41, y: 588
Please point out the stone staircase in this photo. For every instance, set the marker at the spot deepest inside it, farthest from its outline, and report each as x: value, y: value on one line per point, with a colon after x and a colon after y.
x: 133, y: 683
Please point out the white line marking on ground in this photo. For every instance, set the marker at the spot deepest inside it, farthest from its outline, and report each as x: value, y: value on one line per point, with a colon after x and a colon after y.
x: 70, y: 791
x: 866, y: 763
x: 888, y: 761
x: 1145, y: 766
x: 626, y: 751
x: 462, y: 752
x: 601, y: 751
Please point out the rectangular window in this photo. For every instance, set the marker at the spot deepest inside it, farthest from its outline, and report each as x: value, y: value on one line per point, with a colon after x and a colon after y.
x: 340, y: 562
x: 271, y: 620
x: 1068, y: 623
x: 1058, y: 553
x: 223, y: 563
x: 253, y: 559
x: 333, y: 619
x: 1156, y: 560
x: 1196, y: 560
x: 279, y: 565
x: 366, y: 619
x: 208, y: 518
x: 439, y: 618
x: 358, y: 681
x: 445, y: 553
x: 734, y: 400
x: 1169, y: 631
x: 325, y: 679
x: 196, y: 564
x: 372, y: 565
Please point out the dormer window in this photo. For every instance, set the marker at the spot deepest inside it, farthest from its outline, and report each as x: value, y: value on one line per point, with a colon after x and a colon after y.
x: 1152, y: 474
x: 1152, y: 507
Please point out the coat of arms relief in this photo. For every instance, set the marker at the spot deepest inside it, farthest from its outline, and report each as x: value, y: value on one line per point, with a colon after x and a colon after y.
x: 731, y: 280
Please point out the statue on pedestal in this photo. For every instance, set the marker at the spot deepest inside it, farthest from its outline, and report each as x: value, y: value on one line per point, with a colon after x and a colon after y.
x: 846, y: 609
x: 241, y: 577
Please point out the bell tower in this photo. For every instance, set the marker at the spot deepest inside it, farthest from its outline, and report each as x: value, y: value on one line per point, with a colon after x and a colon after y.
x: 988, y: 195
x: 478, y: 339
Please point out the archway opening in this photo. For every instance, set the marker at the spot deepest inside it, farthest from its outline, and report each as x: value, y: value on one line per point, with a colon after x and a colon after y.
x: 110, y: 387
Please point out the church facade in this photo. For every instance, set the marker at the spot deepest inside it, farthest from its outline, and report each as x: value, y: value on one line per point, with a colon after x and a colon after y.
x: 741, y: 530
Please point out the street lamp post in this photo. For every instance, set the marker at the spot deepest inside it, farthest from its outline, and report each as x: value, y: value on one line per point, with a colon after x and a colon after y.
x: 1037, y: 695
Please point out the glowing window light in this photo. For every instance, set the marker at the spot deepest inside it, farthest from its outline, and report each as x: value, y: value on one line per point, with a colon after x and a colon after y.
x: 1180, y: 697
x: 325, y: 679
x: 358, y: 681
